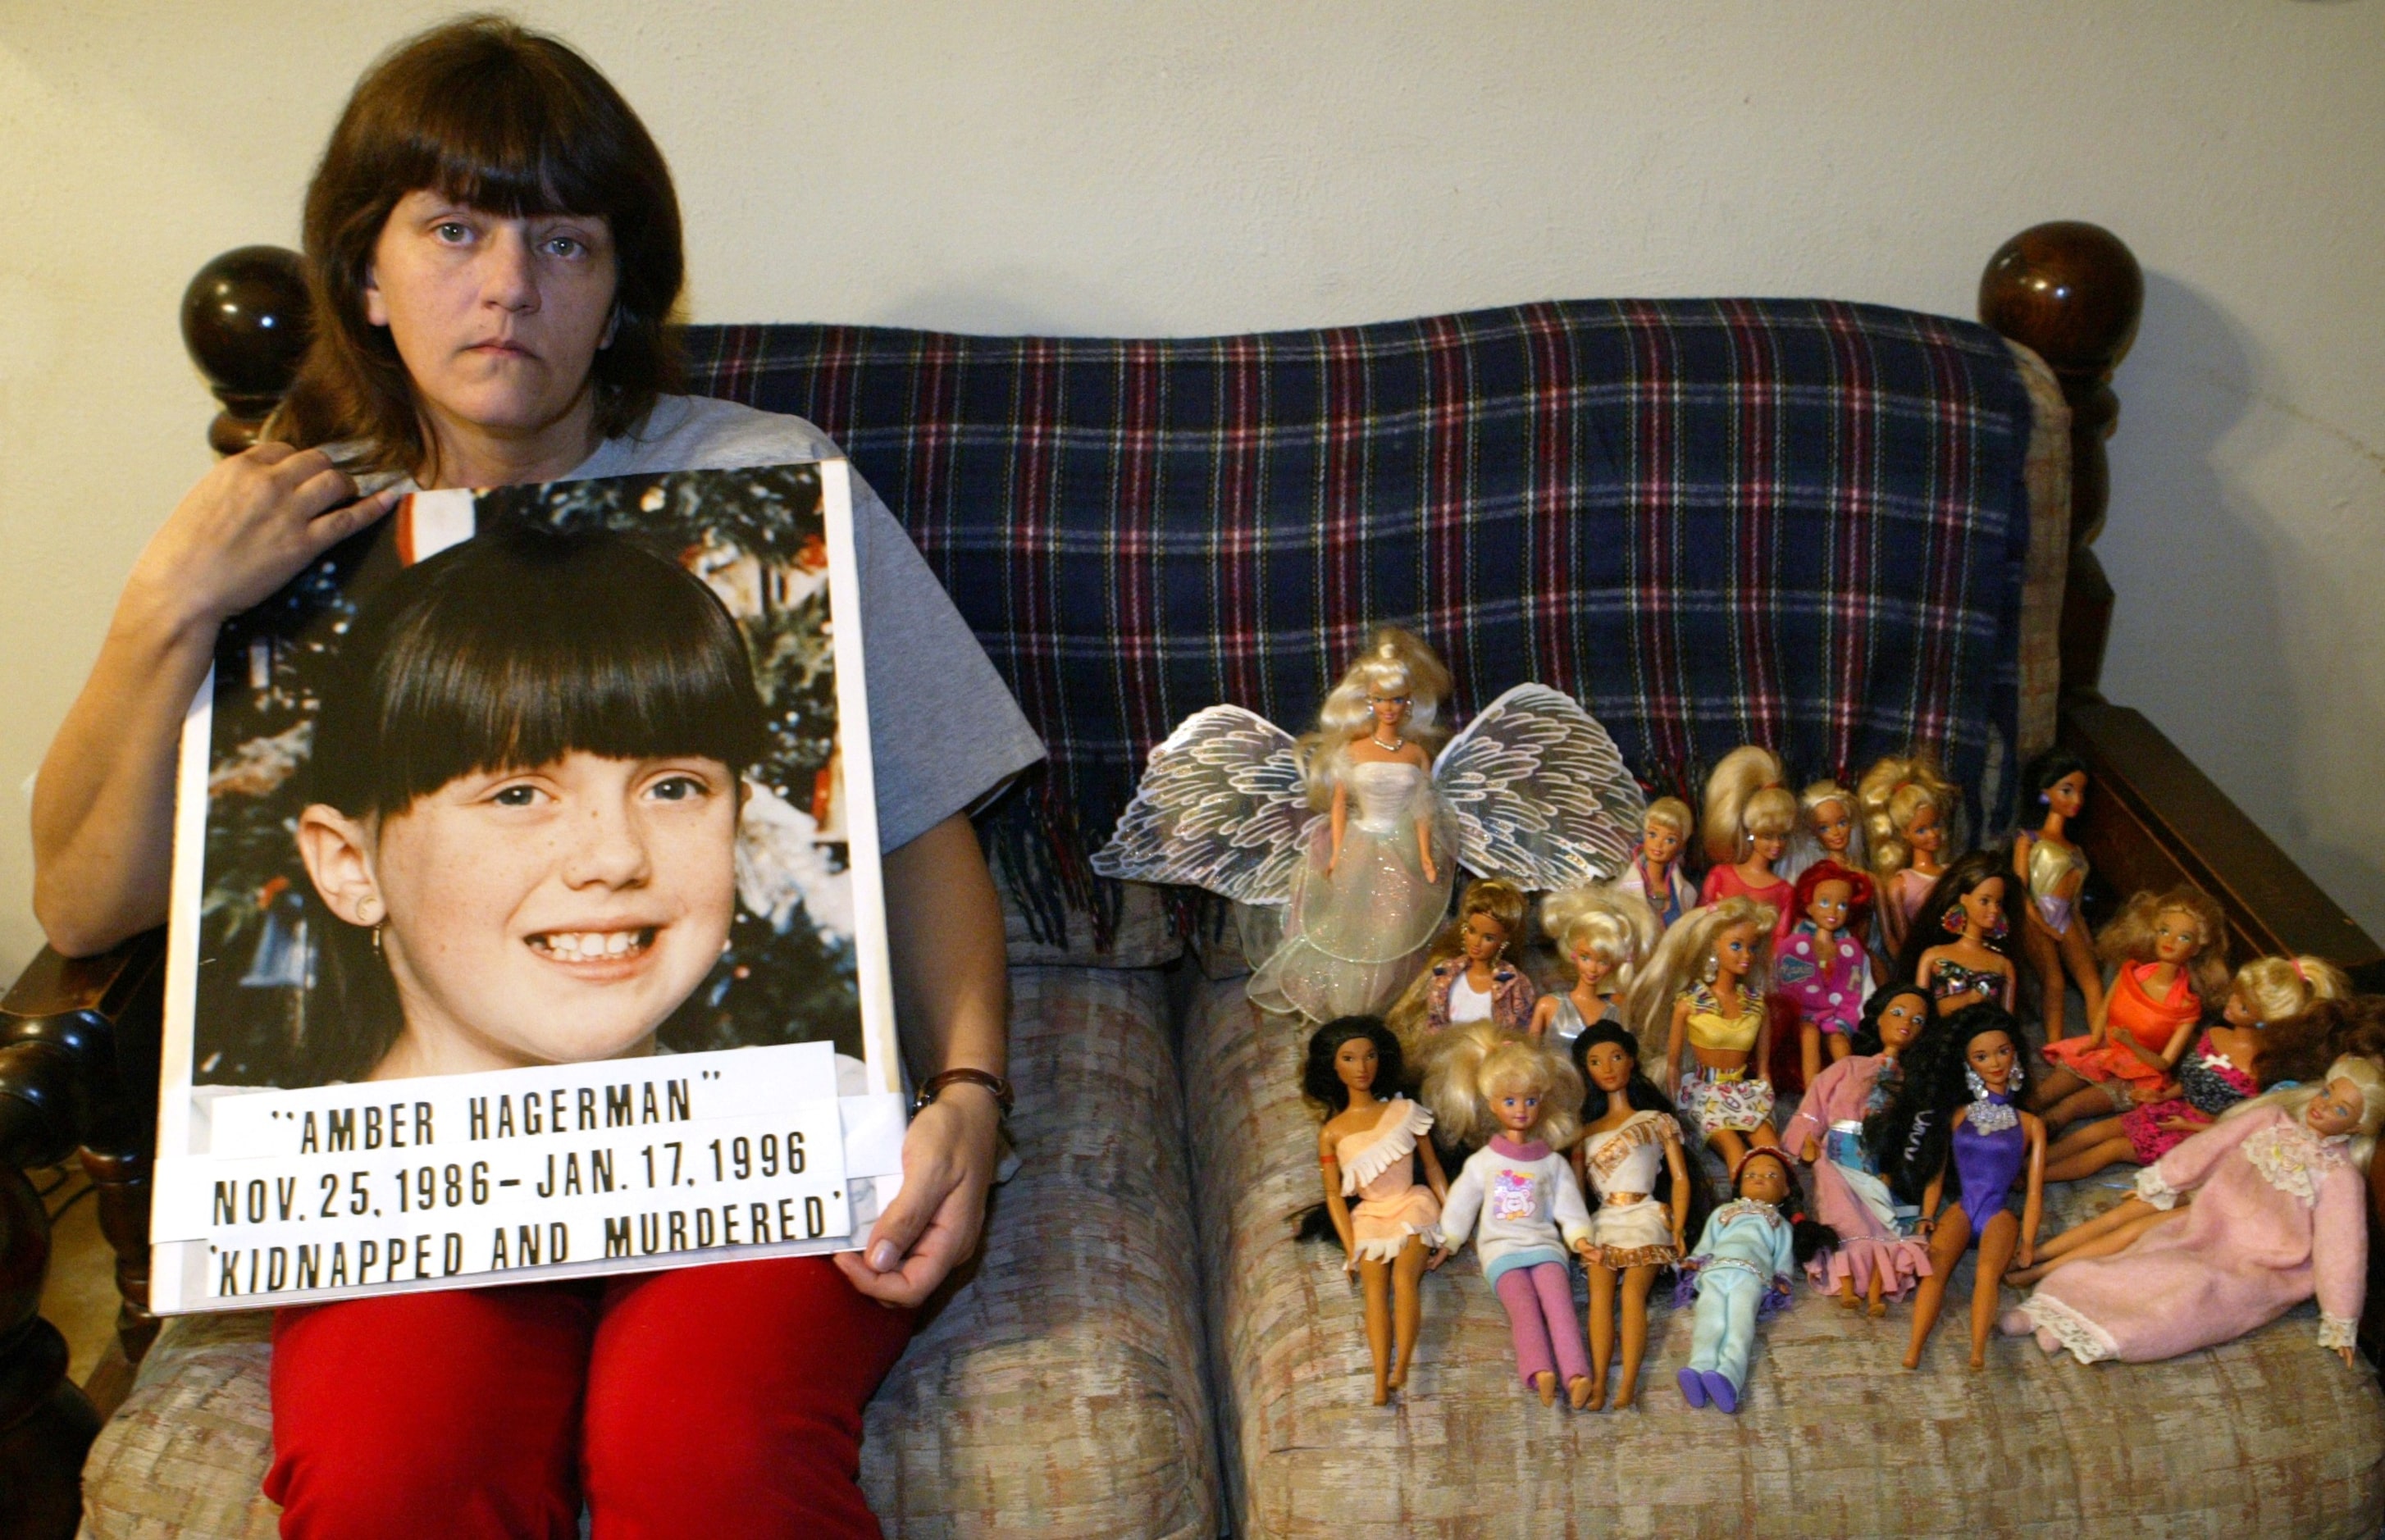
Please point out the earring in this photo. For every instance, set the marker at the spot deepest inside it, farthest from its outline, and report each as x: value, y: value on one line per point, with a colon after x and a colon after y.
x: 2001, y: 928
x: 375, y: 935
x: 1978, y: 1086
x: 1713, y: 969
x: 1953, y: 920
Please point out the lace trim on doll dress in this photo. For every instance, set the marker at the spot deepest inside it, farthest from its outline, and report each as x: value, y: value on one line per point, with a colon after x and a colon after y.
x: 2293, y: 1160
x: 1391, y: 1146
x: 1644, y: 1128
x: 2086, y: 1341
x: 2154, y: 1190
x: 2338, y: 1331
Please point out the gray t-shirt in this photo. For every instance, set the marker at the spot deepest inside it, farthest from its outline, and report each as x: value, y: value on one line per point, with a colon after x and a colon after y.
x: 943, y: 731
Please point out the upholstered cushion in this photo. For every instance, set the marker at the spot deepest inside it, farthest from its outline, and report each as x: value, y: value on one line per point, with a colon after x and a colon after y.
x: 1059, y: 1393
x: 2267, y: 1435
x: 1141, y: 938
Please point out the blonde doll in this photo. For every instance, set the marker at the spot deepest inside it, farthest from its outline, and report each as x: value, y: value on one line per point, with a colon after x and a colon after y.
x: 1703, y: 998
x: 1905, y: 805
x: 1654, y: 873
x: 1602, y: 937
x: 1374, y: 881
x: 2169, y: 958
x: 1830, y: 827
x: 1472, y: 974
x: 1516, y: 1198
x: 1748, y: 816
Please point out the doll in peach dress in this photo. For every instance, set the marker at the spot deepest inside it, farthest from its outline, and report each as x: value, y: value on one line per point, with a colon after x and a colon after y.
x: 2170, y: 957
x: 1368, y: 1150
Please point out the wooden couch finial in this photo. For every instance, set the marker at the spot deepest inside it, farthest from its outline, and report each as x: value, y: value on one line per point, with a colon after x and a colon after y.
x: 244, y: 321
x: 2072, y: 293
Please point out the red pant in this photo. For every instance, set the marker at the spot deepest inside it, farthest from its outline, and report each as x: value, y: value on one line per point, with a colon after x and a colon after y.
x: 722, y: 1400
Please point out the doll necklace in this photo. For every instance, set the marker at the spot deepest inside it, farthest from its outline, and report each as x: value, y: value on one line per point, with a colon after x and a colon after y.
x: 1394, y: 747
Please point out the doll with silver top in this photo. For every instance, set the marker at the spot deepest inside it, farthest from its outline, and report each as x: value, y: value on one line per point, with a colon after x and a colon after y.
x: 2053, y: 869
x: 1355, y: 831
x: 1653, y: 875
x: 1906, y: 807
x: 1602, y: 936
x: 1749, y: 814
x: 1701, y: 998
x: 1742, y: 1270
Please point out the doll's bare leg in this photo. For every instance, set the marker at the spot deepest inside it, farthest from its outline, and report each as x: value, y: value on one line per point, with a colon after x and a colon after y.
x: 2079, y: 955
x: 1727, y: 1143
x: 2109, y: 1243
x: 1407, y: 1307
x: 2104, y: 1224
x: 1847, y: 1293
x: 2094, y: 1157
x: 2085, y: 1136
x: 1636, y: 1281
x: 1374, y: 1282
x: 1997, y: 1243
x: 1947, y: 1244
x: 2044, y: 950
x: 1809, y: 1049
x: 1764, y: 1136
x: 2086, y: 1103
x: 1601, y: 1332
x: 1874, y: 1305
x: 1841, y: 1046
x: 2058, y: 1082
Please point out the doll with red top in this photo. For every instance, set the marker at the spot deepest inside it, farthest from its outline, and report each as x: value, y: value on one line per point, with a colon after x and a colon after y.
x: 1654, y: 873
x: 1369, y: 1149
x: 1745, y: 829
x: 1471, y: 973
x: 1955, y: 949
x: 1819, y: 967
x: 2054, y: 870
x: 1906, y: 805
x: 2169, y: 957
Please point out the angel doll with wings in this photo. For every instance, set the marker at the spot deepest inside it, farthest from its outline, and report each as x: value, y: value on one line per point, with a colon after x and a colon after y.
x: 1355, y: 831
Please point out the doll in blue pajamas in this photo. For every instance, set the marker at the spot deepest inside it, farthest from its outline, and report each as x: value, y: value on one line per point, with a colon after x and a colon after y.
x: 1745, y: 1257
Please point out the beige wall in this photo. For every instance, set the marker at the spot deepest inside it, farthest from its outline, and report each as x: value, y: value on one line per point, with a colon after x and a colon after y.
x: 1113, y: 167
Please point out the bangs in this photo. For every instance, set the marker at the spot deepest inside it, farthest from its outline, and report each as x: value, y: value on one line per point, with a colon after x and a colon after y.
x: 510, y: 134
x: 521, y: 646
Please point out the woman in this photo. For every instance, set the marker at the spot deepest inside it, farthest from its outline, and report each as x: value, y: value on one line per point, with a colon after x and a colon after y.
x: 493, y: 245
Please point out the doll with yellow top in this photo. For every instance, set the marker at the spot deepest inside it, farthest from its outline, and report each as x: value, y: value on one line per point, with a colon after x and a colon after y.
x: 2052, y: 868
x: 1471, y: 973
x: 2169, y: 957
x: 1369, y: 1149
x: 1703, y: 998
x: 1749, y: 814
x: 1602, y: 936
x: 1906, y: 805
x: 1654, y: 873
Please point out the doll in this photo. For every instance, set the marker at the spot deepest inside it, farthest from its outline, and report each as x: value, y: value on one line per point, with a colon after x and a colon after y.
x: 1905, y: 807
x: 1741, y: 1270
x: 1828, y: 828
x: 2280, y: 1213
x: 1368, y: 1149
x: 2171, y: 958
x: 1471, y: 973
x: 1602, y: 937
x: 1819, y: 967
x: 1630, y: 1160
x: 1703, y: 998
x: 2055, y: 870
x: 1748, y: 816
x: 1354, y: 832
x: 1955, y: 947
x: 1654, y: 873
x: 1876, y: 1252
x: 1970, y: 1145
x: 1516, y: 1199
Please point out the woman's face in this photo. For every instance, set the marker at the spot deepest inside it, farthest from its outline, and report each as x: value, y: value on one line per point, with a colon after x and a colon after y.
x: 1834, y: 824
x: 552, y: 915
x: 1609, y: 1065
x: 1354, y: 1063
x: 2068, y: 795
x: 2336, y: 1109
x: 2177, y: 937
x: 498, y: 320
x: 1984, y: 905
x: 1991, y: 1053
x: 1901, y: 1020
x: 1659, y: 843
x: 1483, y: 939
x: 1924, y: 834
x: 1735, y: 949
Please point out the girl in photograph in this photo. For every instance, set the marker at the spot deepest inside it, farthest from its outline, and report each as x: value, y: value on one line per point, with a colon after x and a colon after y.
x: 492, y: 248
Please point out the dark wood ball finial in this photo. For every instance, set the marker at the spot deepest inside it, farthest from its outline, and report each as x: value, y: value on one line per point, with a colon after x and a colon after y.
x: 245, y: 324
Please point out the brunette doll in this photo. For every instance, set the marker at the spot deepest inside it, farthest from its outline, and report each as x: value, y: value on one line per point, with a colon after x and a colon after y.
x: 1876, y: 1253
x: 1367, y: 1149
x: 1957, y: 1130
x: 1471, y: 974
x: 1654, y: 873
x: 2053, y: 869
x: 1955, y: 950
x: 1703, y: 998
x: 1907, y: 805
x: 1745, y: 829
x: 1642, y: 1196
x: 1516, y: 1198
x: 1830, y: 827
x: 1741, y: 1271
x: 1819, y: 967
x: 2170, y: 957
x: 1602, y: 938
x: 1374, y: 882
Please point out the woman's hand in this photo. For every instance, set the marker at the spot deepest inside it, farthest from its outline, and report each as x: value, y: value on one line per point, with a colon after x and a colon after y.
x: 251, y: 524
x: 934, y: 1223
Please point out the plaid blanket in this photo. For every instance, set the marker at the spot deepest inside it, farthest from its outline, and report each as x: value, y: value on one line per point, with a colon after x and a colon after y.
x: 1790, y: 522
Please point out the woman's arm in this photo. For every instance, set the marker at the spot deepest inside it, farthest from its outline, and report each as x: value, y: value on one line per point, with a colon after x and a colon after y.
x: 952, y: 1001
x: 104, y: 803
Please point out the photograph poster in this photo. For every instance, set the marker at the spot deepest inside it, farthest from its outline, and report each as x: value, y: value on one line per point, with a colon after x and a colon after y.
x: 526, y: 915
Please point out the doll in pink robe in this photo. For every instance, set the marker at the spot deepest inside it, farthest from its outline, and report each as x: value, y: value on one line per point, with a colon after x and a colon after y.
x: 2280, y: 1212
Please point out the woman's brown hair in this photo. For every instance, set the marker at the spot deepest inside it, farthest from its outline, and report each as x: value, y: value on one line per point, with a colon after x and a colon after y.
x: 499, y: 118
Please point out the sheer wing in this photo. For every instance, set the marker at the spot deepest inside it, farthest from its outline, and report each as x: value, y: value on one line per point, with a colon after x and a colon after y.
x: 1540, y: 793
x: 1221, y: 806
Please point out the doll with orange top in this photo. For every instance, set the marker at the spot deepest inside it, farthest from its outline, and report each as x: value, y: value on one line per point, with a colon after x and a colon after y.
x: 1653, y: 875
x: 1819, y: 968
x: 1369, y: 1149
x: 1470, y: 973
x: 2053, y: 869
x: 2169, y: 952
x: 1745, y: 829
x: 1906, y: 804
